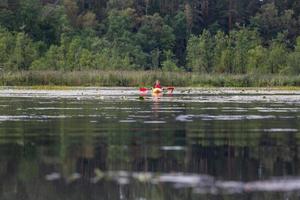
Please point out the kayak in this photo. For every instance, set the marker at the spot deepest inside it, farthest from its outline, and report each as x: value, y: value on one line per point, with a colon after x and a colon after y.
x: 157, y: 90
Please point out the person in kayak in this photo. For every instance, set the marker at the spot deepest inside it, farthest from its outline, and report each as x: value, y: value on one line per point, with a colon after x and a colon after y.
x: 157, y: 84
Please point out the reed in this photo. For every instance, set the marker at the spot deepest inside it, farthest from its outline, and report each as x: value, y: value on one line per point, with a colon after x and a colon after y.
x: 142, y: 78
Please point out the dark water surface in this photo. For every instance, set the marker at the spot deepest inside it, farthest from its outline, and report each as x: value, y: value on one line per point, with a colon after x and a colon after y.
x: 125, y: 148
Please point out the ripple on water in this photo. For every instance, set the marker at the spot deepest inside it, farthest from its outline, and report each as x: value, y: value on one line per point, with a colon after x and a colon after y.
x: 189, y: 118
x: 154, y: 122
x: 173, y: 148
x: 53, y: 108
x: 127, y: 121
x: 235, y: 110
x: 277, y: 109
x: 280, y: 130
x: 139, y: 116
x: 30, y: 117
x: 200, y: 183
x: 185, y: 118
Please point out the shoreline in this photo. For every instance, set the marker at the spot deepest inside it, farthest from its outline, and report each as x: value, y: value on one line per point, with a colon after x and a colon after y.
x: 186, y: 94
x: 178, y: 90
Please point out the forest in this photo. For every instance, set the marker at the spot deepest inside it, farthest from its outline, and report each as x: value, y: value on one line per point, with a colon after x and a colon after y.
x: 201, y: 36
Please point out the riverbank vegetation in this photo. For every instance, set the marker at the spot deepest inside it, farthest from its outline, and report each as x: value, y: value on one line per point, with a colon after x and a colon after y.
x: 143, y: 78
x: 225, y: 40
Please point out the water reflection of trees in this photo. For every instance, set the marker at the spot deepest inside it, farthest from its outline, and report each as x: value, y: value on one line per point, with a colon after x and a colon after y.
x: 223, y: 150
x: 23, y: 167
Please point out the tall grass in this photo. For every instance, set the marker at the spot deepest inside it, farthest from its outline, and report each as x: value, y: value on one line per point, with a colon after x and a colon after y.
x: 142, y: 78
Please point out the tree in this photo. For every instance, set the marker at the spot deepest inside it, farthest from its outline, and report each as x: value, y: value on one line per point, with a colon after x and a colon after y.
x: 155, y: 35
x: 79, y: 19
x: 120, y: 4
x: 8, y: 19
x: 169, y: 64
x: 53, y: 59
x: 179, y: 25
x: 122, y: 38
x: 256, y: 60
x: 6, y: 47
x: 270, y: 21
x: 294, y: 59
x: 243, y: 40
x: 221, y: 41
x: 192, y: 10
x: 24, y: 53
x: 200, y: 53
x: 86, y: 60
x: 277, y: 57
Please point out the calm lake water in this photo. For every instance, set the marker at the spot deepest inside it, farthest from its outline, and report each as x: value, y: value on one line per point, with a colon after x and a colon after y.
x: 170, y: 147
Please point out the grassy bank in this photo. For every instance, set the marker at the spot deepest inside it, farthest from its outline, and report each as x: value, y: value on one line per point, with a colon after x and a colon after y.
x: 139, y: 78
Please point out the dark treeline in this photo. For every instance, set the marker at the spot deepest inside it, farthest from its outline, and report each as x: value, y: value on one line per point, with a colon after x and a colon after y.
x: 206, y: 36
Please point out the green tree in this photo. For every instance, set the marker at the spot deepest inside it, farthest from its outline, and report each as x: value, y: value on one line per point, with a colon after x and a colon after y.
x: 155, y: 35
x: 200, y: 52
x: 122, y: 38
x: 221, y: 41
x: 53, y: 59
x: 277, y: 58
x: 256, y: 60
x: 226, y: 61
x: 79, y: 19
x: 8, y: 19
x: 6, y: 47
x: 73, y: 54
x: 169, y: 63
x: 24, y: 53
x: 243, y: 40
x: 270, y: 21
x: 86, y: 60
x: 179, y: 25
x: 120, y: 4
x: 294, y: 59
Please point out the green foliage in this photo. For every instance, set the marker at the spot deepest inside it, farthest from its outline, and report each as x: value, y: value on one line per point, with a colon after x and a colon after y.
x: 222, y: 53
x: 169, y: 64
x: 54, y: 59
x: 293, y: 62
x: 243, y: 41
x: 200, y: 52
x: 256, y: 62
x: 7, y: 19
x: 6, y: 47
x: 232, y: 37
x: 134, y: 78
x: 179, y: 25
x: 122, y: 39
x: 294, y: 59
x: 155, y: 36
x: 120, y: 4
x: 270, y: 21
x: 221, y: 41
x: 226, y: 61
x: 24, y: 53
x: 277, y: 57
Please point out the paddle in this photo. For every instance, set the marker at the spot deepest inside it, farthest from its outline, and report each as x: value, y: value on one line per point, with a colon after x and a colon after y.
x: 171, y: 89
x: 143, y: 89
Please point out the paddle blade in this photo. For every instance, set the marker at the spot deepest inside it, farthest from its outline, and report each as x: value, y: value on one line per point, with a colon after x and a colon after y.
x: 143, y: 89
x: 170, y: 89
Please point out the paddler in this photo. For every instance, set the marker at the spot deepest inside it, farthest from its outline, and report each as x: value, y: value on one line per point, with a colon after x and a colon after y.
x: 157, y: 84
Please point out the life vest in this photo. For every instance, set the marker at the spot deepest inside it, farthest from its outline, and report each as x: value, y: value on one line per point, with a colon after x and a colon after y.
x: 157, y: 86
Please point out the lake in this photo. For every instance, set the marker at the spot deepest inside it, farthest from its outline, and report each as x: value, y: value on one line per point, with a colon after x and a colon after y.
x: 115, y: 143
